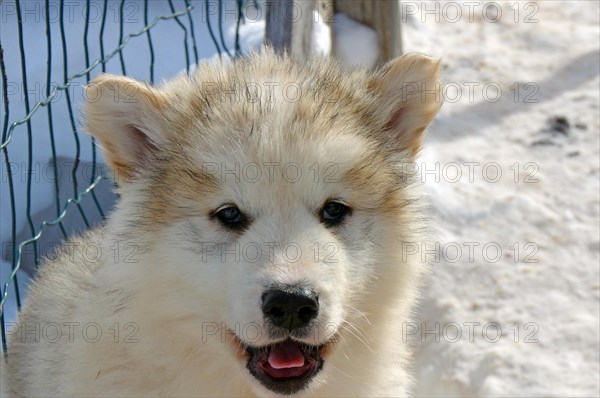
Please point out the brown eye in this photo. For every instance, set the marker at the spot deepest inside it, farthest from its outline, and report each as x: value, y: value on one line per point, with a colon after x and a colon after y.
x: 231, y: 217
x: 333, y: 213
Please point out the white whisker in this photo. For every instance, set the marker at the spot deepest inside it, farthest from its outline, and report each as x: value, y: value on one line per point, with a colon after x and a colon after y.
x: 358, y: 338
x: 359, y: 312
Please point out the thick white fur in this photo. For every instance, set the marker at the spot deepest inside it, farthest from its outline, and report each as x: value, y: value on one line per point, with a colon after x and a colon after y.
x: 173, y: 300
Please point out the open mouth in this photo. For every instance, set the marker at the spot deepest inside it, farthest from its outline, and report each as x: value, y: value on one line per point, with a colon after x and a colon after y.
x: 285, y: 367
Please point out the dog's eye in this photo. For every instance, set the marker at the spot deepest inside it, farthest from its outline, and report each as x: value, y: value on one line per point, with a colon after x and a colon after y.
x: 230, y: 216
x: 334, y: 213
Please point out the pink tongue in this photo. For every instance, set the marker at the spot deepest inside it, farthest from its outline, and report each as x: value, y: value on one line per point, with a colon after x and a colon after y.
x: 286, y: 355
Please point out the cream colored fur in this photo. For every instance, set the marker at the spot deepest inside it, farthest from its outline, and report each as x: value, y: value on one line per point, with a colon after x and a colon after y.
x: 162, y: 278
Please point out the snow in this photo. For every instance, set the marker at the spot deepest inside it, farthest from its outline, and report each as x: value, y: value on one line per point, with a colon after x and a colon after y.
x: 10, y: 307
x: 321, y: 35
x: 356, y: 44
x: 542, y: 289
x: 543, y: 212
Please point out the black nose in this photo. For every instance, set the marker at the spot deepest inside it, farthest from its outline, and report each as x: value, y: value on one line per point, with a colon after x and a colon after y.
x: 290, y: 309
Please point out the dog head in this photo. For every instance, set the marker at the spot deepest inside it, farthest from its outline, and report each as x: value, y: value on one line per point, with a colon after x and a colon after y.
x: 270, y: 199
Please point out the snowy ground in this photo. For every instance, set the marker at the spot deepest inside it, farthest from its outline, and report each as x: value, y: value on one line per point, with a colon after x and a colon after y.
x: 542, y: 289
x: 512, y: 308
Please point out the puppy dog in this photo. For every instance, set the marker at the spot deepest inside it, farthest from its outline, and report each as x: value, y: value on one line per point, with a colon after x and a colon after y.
x: 257, y: 246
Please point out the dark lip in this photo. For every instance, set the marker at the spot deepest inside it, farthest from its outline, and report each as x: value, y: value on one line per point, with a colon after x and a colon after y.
x: 257, y: 362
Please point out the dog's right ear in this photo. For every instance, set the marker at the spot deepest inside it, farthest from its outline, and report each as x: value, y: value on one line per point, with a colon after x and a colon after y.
x: 410, y: 98
x: 124, y: 115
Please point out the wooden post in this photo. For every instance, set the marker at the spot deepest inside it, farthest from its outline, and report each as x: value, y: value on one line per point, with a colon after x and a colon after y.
x: 381, y: 15
x: 290, y: 23
x: 278, y: 30
x: 302, y: 27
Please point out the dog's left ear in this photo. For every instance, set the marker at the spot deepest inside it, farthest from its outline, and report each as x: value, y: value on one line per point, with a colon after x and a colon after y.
x: 410, y: 98
x: 125, y: 116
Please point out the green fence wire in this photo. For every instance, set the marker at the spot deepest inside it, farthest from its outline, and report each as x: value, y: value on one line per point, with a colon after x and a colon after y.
x: 182, y: 21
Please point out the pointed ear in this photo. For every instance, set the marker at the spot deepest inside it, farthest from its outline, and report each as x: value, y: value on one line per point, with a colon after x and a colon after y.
x: 124, y: 115
x: 410, y: 98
